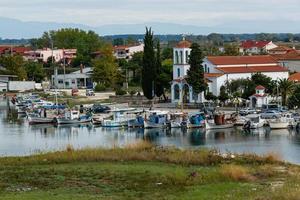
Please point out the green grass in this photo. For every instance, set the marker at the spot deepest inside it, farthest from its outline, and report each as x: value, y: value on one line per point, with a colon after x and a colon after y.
x: 145, y: 172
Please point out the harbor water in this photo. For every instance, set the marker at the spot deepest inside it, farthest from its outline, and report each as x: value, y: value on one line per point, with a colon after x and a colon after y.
x: 18, y: 138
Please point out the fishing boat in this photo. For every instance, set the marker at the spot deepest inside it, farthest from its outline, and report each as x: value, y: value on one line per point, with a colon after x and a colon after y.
x: 279, y: 123
x: 156, y: 119
x: 178, y: 120
x: 137, y: 121
x: 240, y: 120
x: 34, y: 119
x: 73, y: 117
x: 97, y: 119
x: 196, y: 120
x: 119, y: 118
x: 254, y: 121
x: 218, y: 122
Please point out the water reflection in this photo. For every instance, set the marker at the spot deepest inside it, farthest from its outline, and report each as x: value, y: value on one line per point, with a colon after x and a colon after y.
x: 18, y: 138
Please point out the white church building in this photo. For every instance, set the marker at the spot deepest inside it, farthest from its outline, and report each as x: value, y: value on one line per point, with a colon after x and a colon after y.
x: 218, y: 71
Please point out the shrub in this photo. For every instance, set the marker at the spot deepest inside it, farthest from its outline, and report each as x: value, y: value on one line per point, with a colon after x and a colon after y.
x: 100, y: 88
x: 236, y: 173
x: 132, y: 92
x: 120, y: 92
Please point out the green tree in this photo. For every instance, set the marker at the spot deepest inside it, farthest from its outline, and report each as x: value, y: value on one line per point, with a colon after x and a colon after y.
x: 14, y: 65
x: 159, y: 89
x: 231, y: 50
x: 294, y: 98
x: 105, y: 68
x: 223, y: 94
x: 167, y: 53
x: 149, y: 69
x: 286, y: 88
x: 35, y: 71
x: 195, y: 75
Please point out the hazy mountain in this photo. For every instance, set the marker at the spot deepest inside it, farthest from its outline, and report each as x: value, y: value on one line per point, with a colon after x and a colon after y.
x: 12, y: 28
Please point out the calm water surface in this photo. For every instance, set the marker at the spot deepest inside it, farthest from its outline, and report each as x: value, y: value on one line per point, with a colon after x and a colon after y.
x: 17, y: 138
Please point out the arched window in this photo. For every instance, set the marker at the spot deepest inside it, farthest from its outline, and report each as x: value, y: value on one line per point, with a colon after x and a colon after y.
x: 178, y: 72
x: 176, y: 92
x: 208, y: 70
x: 205, y: 68
x: 176, y: 57
x: 187, y: 56
x: 181, y: 57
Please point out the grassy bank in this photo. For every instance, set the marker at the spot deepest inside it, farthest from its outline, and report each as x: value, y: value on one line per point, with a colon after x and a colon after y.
x: 145, y: 172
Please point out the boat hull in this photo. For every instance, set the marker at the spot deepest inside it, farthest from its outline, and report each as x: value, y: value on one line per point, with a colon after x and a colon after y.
x: 72, y: 121
x: 40, y: 120
x: 279, y: 125
x: 113, y: 124
x: 148, y: 125
x: 211, y: 126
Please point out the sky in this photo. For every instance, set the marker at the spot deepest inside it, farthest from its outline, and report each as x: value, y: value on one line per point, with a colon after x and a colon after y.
x: 191, y: 12
x: 223, y: 16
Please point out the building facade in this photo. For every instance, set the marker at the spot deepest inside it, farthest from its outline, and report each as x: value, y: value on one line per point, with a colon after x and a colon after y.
x: 126, y: 52
x: 42, y: 55
x: 222, y: 69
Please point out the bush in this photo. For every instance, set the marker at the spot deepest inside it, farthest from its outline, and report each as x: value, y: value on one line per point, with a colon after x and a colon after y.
x: 100, y: 88
x: 120, y: 92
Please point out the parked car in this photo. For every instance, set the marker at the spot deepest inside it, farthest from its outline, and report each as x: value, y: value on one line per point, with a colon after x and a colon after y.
x: 97, y: 108
x: 75, y: 92
x: 247, y: 111
x: 89, y: 92
x: 270, y: 114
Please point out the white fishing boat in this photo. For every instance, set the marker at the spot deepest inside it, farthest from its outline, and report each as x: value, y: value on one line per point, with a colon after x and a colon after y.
x: 279, y: 123
x: 119, y: 118
x: 137, y: 119
x: 97, y: 119
x: 73, y: 117
x: 254, y: 121
x: 156, y: 119
x: 178, y: 120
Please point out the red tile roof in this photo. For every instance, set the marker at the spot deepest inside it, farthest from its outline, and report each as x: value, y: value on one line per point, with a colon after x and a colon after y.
x: 295, y: 77
x: 260, y: 87
x: 293, y: 55
x: 282, y: 48
x: 213, y: 75
x: 251, y: 43
x: 252, y: 69
x: 240, y: 60
x: 184, y: 44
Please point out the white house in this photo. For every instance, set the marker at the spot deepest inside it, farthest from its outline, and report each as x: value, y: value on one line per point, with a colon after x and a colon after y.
x: 78, y: 79
x: 126, y: 52
x: 256, y: 47
x: 260, y: 98
x: 222, y: 69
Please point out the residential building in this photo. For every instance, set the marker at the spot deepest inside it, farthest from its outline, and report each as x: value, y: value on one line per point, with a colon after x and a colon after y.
x: 222, y: 69
x: 289, y: 58
x: 256, y: 47
x: 126, y: 52
x: 13, y: 50
x: 78, y: 79
x: 295, y: 77
x: 42, y: 55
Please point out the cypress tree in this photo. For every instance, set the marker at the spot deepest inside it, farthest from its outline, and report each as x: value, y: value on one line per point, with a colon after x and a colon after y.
x: 149, y: 69
x: 159, y: 89
x: 195, y: 75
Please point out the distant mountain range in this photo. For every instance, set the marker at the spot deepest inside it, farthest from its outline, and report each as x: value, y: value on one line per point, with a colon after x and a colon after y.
x: 16, y: 29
